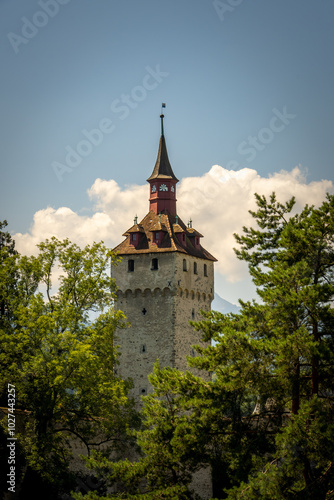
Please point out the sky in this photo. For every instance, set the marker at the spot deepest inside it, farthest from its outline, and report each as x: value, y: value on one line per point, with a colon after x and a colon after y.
x: 248, y: 87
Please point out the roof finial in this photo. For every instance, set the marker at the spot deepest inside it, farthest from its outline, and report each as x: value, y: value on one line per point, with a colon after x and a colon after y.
x: 163, y: 105
x: 135, y: 220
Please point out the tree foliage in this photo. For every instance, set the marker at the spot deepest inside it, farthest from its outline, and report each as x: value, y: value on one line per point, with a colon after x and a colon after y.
x: 264, y: 422
x: 58, y: 348
x: 8, y: 276
x: 261, y: 417
x: 171, y: 446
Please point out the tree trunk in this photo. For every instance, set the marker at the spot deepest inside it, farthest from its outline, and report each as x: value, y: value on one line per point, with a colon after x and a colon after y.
x: 315, y: 362
x: 296, y: 388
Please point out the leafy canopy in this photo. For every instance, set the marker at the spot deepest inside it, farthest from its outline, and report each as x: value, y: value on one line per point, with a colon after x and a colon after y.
x: 264, y: 422
x: 58, y: 348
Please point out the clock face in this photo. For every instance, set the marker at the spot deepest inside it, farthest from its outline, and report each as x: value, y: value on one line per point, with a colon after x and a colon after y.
x: 163, y: 187
x: 154, y: 188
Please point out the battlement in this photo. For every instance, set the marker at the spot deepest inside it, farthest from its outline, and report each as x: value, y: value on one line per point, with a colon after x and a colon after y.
x: 165, y: 292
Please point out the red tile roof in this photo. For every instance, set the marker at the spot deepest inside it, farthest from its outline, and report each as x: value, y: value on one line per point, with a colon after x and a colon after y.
x: 170, y: 243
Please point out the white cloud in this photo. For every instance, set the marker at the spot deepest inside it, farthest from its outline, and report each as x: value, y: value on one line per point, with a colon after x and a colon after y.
x: 63, y: 223
x: 218, y: 203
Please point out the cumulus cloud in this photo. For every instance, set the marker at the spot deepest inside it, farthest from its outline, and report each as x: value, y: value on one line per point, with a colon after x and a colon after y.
x: 113, y: 212
x: 63, y: 223
x: 217, y: 202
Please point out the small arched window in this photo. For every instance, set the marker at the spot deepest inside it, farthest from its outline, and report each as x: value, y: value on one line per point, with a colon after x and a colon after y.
x: 185, y: 265
x: 195, y: 267
x: 205, y: 270
x: 131, y: 265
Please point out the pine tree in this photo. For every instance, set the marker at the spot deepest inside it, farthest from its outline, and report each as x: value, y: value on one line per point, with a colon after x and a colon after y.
x: 264, y: 424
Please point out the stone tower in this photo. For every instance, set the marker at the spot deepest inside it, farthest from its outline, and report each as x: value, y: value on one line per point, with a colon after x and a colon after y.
x: 164, y: 278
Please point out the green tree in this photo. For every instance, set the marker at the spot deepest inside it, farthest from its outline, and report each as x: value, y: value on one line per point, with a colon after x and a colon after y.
x: 281, y: 352
x: 264, y: 424
x: 58, y: 349
x: 291, y: 261
x: 171, y: 447
x: 8, y: 277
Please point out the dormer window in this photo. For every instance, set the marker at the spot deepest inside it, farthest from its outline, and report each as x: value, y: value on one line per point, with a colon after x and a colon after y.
x: 157, y: 237
x: 179, y: 231
x: 158, y: 231
x: 181, y: 236
x: 135, y: 239
x: 194, y: 235
x: 135, y: 233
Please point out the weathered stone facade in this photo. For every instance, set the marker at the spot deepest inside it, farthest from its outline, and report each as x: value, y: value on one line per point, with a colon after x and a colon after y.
x: 159, y: 303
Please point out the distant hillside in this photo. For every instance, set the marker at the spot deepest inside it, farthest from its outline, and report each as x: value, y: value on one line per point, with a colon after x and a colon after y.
x: 223, y: 306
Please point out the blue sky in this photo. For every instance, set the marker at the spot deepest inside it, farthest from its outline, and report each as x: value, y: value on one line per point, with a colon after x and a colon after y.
x: 248, y: 84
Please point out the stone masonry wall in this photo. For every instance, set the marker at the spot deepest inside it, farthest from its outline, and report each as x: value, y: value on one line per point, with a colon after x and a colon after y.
x: 159, y: 304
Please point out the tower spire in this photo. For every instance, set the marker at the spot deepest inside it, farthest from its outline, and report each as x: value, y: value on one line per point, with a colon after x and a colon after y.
x: 163, y: 180
x: 162, y: 124
x: 162, y: 116
x: 162, y: 168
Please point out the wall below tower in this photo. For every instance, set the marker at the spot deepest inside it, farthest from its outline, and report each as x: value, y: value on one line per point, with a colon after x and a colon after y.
x: 150, y: 337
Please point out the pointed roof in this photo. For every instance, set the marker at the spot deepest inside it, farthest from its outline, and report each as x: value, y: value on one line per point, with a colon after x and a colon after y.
x: 192, y: 232
x: 162, y: 168
x: 136, y: 228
